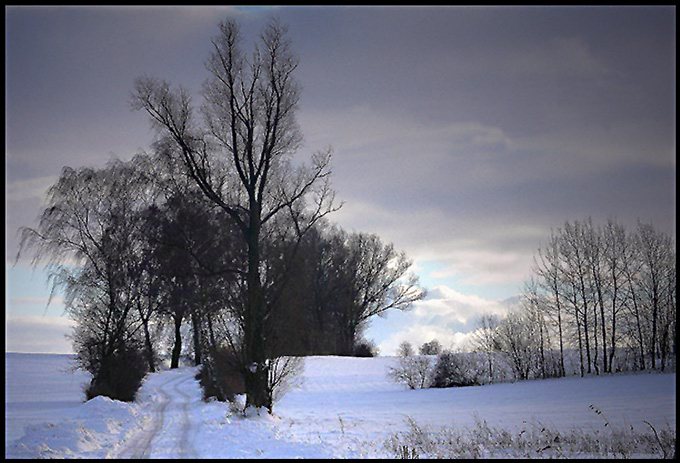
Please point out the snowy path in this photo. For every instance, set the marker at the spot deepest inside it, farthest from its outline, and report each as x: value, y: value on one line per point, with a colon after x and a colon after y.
x: 167, y: 432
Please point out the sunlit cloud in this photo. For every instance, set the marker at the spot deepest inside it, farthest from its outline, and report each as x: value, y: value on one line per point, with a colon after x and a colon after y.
x: 445, y: 314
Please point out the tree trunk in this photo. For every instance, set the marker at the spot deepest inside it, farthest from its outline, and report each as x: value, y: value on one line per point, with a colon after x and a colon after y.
x: 197, y: 338
x: 587, y: 338
x: 255, y: 369
x: 177, y: 349
x: 596, y: 350
x: 655, y: 316
x: 580, y: 343
x: 559, y: 327
x: 149, y: 347
x: 604, y: 329
x: 211, y: 332
x: 612, y: 351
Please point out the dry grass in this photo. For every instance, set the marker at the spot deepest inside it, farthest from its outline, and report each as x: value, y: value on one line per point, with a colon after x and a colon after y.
x: 534, y: 441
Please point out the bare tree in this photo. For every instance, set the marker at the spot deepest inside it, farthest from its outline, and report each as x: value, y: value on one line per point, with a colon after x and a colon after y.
x: 655, y: 254
x: 616, y: 250
x: 594, y: 250
x: 514, y: 337
x: 483, y: 340
x: 433, y: 347
x: 405, y: 349
x: 375, y: 279
x: 89, y: 237
x: 535, y: 306
x: 240, y: 159
x: 548, y: 268
x: 577, y: 266
x: 623, y: 282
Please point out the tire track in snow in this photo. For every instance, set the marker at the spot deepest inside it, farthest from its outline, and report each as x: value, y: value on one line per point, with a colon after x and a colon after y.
x: 141, y: 445
x: 187, y: 450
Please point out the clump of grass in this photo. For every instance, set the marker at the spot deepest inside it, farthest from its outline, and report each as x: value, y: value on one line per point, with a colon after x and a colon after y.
x: 533, y: 441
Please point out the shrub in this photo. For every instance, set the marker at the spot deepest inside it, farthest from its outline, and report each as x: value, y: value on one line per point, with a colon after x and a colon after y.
x: 414, y: 371
x: 284, y: 374
x: 365, y: 349
x: 455, y: 370
x: 119, y: 376
x: 222, y: 375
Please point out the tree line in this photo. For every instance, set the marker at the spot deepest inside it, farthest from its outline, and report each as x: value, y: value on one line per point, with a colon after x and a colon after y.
x: 600, y: 299
x: 219, y: 229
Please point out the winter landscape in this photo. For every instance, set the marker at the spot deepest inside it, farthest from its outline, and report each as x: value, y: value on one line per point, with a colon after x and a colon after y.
x: 342, y: 408
x: 340, y: 232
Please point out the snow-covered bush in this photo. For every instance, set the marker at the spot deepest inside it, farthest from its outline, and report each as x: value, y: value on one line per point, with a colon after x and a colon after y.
x: 414, y: 371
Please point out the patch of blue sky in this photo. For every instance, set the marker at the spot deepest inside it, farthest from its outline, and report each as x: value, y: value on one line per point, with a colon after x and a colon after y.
x: 431, y: 271
x: 28, y: 290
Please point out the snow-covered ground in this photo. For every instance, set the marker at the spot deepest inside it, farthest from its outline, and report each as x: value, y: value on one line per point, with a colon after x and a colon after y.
x: 39, y: 388
x: 345, y: 407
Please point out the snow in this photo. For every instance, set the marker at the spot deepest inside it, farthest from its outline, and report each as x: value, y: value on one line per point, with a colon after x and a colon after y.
x: 344, y: 407
x: 39, y: 388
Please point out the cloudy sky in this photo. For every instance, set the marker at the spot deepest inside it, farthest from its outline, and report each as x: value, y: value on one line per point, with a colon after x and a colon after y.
x: 462, y: 135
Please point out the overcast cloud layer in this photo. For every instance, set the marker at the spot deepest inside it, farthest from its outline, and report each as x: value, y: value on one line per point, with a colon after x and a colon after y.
x: 463, y: 135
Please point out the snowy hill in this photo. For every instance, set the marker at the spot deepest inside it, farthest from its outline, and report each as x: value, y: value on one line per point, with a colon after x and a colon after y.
x: 344, y: 407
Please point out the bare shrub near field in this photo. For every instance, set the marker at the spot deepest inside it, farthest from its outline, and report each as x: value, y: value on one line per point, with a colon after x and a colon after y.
x: 533, y: 441
x: 415, y: 371
x: 285, y: 373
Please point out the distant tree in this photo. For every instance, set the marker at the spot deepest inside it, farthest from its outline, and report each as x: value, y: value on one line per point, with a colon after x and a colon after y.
x: 483, y: 340
x: 405, y: 349
x: 431, y: 348
x: 374, y: 279
x: 535, y: 309
x: 614, y: 255
x: 603, y: 288
x: 514, y: 337
x: 657, y: 257
x: 578, y: 275
x: 548, y: 269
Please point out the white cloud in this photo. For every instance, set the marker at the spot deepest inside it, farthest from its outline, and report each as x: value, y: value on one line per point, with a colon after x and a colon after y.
x: 445, y: 314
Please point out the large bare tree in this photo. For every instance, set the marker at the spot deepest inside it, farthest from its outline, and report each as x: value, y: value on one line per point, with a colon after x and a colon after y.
x: 239, y: 155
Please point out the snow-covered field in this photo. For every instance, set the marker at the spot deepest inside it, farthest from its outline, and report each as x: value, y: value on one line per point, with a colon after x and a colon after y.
x: 38, y: 388
x: 345, y: 407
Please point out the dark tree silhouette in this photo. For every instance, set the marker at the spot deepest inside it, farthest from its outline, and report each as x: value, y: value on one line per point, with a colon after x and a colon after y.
x: 248, y: 135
